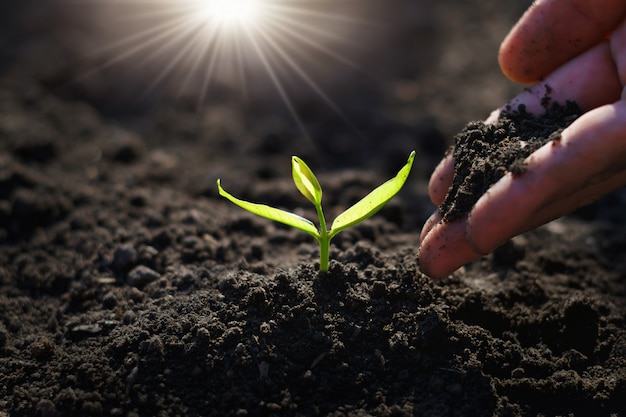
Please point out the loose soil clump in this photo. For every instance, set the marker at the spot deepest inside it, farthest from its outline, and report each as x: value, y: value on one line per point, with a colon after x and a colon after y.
x: 485, y: 152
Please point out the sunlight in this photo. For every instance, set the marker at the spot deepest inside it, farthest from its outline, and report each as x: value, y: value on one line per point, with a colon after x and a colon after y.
x: 231, y: 12
x: 255, y: 47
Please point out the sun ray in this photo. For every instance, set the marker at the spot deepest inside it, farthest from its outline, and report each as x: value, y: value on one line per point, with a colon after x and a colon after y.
x: 289, y: 28
x: 281, y: 90
x: 176, y: 60
x: 138, y: 42
x: 304, y: 76
x: 196, y: 44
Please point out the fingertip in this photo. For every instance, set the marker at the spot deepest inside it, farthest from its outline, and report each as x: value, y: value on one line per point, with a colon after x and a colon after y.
x: 511, y: 61
x: 444, y: 250
x: 440, y: 180
x: 519, y: 52
x: 429, y: 224
x: 552, y: 33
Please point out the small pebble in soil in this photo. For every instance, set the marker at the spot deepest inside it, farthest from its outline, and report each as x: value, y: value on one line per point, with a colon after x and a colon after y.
x: 124, y: 257
x: 141, y: 276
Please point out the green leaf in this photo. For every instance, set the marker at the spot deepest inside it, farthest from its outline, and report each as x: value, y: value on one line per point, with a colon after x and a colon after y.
x: 374, y: 201
x: 306, y: 181
x: 281, y: 216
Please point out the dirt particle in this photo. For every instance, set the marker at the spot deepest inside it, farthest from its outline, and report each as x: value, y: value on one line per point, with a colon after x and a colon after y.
x: 124, y: 258
x: 42, y: 348
x: 109, y: 300
x: 46, y: 408
x: 141, y: 276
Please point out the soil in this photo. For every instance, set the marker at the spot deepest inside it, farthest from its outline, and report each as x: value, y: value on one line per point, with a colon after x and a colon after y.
x: 483, y: 153
x: 130, y: 288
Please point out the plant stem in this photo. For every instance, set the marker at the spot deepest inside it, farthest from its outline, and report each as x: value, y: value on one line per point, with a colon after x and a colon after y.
x: 324, y: 249
x: 324, y: 239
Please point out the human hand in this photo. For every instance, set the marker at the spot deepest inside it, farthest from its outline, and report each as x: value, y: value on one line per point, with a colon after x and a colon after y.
x: 578, y: 49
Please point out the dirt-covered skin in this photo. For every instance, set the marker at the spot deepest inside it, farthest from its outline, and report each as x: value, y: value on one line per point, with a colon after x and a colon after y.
x: 128, y: 287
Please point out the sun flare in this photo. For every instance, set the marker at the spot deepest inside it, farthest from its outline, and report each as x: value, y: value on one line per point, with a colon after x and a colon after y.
x: 231, y: 12
x: 279, y: 47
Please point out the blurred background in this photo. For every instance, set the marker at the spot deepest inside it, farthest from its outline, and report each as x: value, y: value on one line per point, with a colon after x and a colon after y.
x: 344, y: 83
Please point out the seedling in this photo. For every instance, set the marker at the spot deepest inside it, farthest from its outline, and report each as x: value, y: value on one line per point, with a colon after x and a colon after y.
x: 307, y: 184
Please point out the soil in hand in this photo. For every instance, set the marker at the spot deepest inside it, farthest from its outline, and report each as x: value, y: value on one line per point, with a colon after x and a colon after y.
x: 484, y: 153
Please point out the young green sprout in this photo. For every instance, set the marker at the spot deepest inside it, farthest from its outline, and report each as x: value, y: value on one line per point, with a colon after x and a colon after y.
x: 307, y: 184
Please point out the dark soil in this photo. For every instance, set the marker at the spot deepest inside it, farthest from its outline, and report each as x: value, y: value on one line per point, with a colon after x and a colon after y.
x: 130, y: 288
x: 484, y: 153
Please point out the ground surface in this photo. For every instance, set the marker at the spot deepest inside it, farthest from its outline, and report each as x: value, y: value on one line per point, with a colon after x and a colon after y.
x: 129, y: 288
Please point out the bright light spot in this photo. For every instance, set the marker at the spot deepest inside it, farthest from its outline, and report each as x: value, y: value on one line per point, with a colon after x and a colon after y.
x: 260, y: 47
x: 231, y: 12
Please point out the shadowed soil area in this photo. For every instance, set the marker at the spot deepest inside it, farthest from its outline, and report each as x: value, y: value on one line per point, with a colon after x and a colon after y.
x: 128, y: 287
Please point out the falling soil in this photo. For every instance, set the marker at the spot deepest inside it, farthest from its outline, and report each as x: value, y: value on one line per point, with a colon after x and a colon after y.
x: 129, y: 288
x: 483, y: 153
